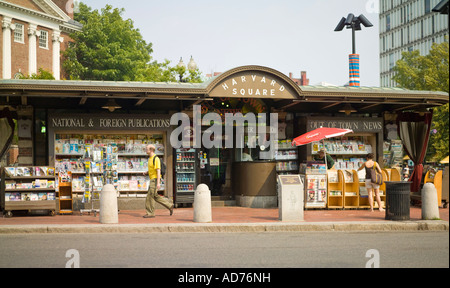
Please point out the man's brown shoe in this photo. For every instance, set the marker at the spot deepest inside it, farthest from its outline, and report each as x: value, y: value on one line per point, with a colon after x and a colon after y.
x: 148, y: 216
x: 171, y: 210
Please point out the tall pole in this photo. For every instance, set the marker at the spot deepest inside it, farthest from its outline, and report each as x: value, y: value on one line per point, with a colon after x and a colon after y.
x: 354, y: 79
x: 353, y: 39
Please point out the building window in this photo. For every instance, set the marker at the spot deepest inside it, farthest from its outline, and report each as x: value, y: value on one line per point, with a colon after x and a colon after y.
x: 391, y: 61
x: 432, y: 25
x: 427, y: 6
x: 401, y: 37
x: 43, y: 39
x: 421, y: 28
x: 18, y: 33
x: 388, y: 22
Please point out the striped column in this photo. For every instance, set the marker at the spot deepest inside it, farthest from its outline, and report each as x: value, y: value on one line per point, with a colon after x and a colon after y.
x: 354, y: 69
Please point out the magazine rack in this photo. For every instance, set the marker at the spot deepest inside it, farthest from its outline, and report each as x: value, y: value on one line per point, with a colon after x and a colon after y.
x: 351, y: 189
x: 28, y: 188
x: 91, y: 194
x: 65, y: 193
x: 335, y: 189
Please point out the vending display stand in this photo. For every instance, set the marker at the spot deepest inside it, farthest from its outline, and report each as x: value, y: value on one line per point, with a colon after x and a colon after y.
x: 28, y: 188
x: 335, y: 189
x: 351, y: 189
x: 65, y: 192
x: 186, y: 179
x: 315, y: 178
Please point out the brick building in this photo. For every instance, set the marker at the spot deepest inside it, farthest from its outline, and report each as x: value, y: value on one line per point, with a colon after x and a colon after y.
x: 34, y: 32
x: 302, y: 81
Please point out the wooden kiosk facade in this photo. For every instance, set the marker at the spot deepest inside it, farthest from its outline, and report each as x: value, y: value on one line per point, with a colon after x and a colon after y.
x: 264, y: 90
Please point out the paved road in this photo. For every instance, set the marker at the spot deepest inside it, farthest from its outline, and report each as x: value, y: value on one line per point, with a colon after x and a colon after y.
x: 217, y: 250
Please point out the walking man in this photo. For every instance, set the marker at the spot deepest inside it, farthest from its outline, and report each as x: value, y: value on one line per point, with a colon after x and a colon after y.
x: 154, y: 173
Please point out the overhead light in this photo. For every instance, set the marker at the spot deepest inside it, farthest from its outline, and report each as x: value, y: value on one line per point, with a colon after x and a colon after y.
x: 441, y: 7
x: 340, y: 25
x: 111, y: 105
x: 181, y: 63
x: 349, y: 19
x: 348, y: 109
x: 364, y: 21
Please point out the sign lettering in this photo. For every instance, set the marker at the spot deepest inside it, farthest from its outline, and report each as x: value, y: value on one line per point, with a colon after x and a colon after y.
x: 120, y: 122
x: 357, y: 125
x: 256, y: 85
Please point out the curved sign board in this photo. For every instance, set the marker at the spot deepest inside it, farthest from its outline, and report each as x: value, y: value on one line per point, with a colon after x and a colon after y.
x: 253, y: 84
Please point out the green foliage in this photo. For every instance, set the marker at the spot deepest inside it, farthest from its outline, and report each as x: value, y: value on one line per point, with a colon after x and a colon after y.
x: 42, y: 74
x: 430, y: 72
x: 109, y: 48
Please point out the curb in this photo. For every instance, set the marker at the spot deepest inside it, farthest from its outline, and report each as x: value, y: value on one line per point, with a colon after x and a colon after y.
x: 425, y: 225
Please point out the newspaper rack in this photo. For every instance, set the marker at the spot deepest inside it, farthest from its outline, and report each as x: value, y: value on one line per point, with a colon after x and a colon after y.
x: 91, y: 194
x: 94, y: 180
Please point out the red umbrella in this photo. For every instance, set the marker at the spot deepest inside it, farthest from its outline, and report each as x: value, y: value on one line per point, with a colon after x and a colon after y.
x: 319, y: 134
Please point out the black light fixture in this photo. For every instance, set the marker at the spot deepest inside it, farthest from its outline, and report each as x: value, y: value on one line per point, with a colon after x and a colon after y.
x: 354, y: 23
x: 441, y: 7
x: 111, y: 105
x: 347, y: 109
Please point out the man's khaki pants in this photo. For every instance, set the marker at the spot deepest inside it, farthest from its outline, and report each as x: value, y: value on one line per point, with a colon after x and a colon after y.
x: 153, y: 196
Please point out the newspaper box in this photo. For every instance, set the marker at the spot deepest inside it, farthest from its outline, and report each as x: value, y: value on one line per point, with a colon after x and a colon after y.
x: 290, y: 198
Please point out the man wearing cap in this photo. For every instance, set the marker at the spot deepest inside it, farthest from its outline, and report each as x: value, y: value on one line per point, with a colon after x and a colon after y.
x: 154, y: 173
x: 321, y: 158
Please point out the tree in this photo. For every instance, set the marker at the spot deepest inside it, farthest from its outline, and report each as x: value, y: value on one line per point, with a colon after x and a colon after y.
x: 193, y: 76
x: 41, y: 75
x: 430, y: 72
x: 109, y: 48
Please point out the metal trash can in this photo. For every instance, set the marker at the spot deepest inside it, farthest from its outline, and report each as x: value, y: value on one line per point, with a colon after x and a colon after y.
x: 397, y: 200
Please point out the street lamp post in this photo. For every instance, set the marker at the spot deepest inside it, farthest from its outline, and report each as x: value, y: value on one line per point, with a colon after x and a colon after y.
x: 354, y: 23
x: 192, y: 66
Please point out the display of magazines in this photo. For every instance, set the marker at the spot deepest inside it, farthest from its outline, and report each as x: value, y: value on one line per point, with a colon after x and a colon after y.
x: 96, y: 160
x: 315, y: 179
x: 315, y: 191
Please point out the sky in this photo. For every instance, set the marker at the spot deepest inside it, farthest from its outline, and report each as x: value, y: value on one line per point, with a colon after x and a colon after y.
x: 285, y: 35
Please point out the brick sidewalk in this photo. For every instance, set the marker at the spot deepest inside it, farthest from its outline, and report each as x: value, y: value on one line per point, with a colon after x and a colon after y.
x: 219, y: 215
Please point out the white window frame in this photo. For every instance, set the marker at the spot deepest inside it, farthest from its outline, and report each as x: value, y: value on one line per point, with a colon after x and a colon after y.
x: 43, y: 37
x: 19, y: 35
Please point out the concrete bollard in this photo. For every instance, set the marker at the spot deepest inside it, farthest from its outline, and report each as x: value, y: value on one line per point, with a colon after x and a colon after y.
x: 108, y: 205
x: 202, y: 204
x: 430, y: 207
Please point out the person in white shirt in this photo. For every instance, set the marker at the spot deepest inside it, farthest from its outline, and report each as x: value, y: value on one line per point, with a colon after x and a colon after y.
x: 246, y: 156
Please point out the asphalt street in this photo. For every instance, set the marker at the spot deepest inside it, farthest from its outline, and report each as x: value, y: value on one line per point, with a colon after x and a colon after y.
x: 228, y: 250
